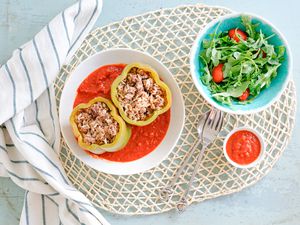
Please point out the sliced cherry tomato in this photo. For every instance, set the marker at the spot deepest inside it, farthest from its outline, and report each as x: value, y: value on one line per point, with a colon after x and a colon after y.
x: 245, y: 95
x: 217, y: 73
x: 236, y: 34
x: 264, y: 54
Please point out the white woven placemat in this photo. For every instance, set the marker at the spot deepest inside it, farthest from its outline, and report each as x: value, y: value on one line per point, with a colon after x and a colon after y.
x: 168, y: 35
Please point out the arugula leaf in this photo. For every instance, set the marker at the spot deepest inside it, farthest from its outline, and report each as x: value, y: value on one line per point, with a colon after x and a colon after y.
x: 250, y: 28
x: 280, y: 52
x: 234, y: 92
x: 215, y: 56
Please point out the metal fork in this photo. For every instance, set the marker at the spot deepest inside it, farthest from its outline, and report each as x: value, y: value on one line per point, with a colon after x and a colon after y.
x: 211, y: 129
x: 167, y: 191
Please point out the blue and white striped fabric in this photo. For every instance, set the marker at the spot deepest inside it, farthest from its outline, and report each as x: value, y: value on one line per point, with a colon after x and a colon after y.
x: 29, y: 132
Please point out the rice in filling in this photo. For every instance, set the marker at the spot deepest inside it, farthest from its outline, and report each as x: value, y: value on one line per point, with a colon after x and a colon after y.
x: 139, y: 95
x: 96, y: 124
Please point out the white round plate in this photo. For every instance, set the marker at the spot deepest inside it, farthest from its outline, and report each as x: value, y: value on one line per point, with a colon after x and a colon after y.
x: 116, y: 56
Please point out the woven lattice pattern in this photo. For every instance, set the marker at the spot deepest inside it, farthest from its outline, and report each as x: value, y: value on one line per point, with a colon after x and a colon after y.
x: 168, y: 35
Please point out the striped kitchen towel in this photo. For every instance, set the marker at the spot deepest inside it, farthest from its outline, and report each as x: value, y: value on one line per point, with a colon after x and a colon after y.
x: 29, y: 129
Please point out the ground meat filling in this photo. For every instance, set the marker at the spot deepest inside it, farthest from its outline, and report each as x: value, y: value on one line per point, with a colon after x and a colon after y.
x: 96, y: 124
x: 139, y: 95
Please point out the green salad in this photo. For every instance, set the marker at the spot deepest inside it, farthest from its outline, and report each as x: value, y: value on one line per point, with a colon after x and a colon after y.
x: 238, y: 64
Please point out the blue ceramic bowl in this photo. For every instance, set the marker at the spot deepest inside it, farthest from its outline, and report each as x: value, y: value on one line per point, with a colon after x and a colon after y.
x: 268, y: 95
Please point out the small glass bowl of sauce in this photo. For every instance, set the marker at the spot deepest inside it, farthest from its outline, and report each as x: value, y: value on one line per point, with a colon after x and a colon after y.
x: 244, y: 147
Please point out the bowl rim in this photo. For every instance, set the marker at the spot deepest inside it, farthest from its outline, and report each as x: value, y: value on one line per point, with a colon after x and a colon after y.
x: 260, y: 156
x: 136, y: 167
x: 195, y: 48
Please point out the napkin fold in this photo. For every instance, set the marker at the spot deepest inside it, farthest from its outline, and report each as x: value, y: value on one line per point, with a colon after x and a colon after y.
x: 29, y: 131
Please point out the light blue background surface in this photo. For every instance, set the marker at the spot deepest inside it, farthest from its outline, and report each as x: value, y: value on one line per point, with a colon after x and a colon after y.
x: 273, y: 200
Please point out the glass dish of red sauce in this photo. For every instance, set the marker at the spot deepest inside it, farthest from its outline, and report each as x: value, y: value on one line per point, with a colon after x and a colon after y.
x: 143, y: 139
x: 244, y: 147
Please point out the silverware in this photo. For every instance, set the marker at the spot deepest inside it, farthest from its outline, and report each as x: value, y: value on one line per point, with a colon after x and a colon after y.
x: 211, y: 129
x: 167, y: 191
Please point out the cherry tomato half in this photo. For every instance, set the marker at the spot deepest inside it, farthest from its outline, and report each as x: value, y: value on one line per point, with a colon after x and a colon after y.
x: 217, y: 73
x: 245, y: 95
x: 236, y: 34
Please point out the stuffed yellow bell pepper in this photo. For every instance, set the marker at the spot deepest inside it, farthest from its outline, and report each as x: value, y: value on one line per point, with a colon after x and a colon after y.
x: 98, y: 127
x: 140, y: 95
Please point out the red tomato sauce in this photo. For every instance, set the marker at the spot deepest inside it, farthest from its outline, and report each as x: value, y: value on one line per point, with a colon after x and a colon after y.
x: 98, y: 83
x: 144, y: 139
x: 243, y: 147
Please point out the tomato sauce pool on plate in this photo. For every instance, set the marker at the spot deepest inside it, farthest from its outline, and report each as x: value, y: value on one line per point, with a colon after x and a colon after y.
x: 144, y: 139
x: 243, y: 147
